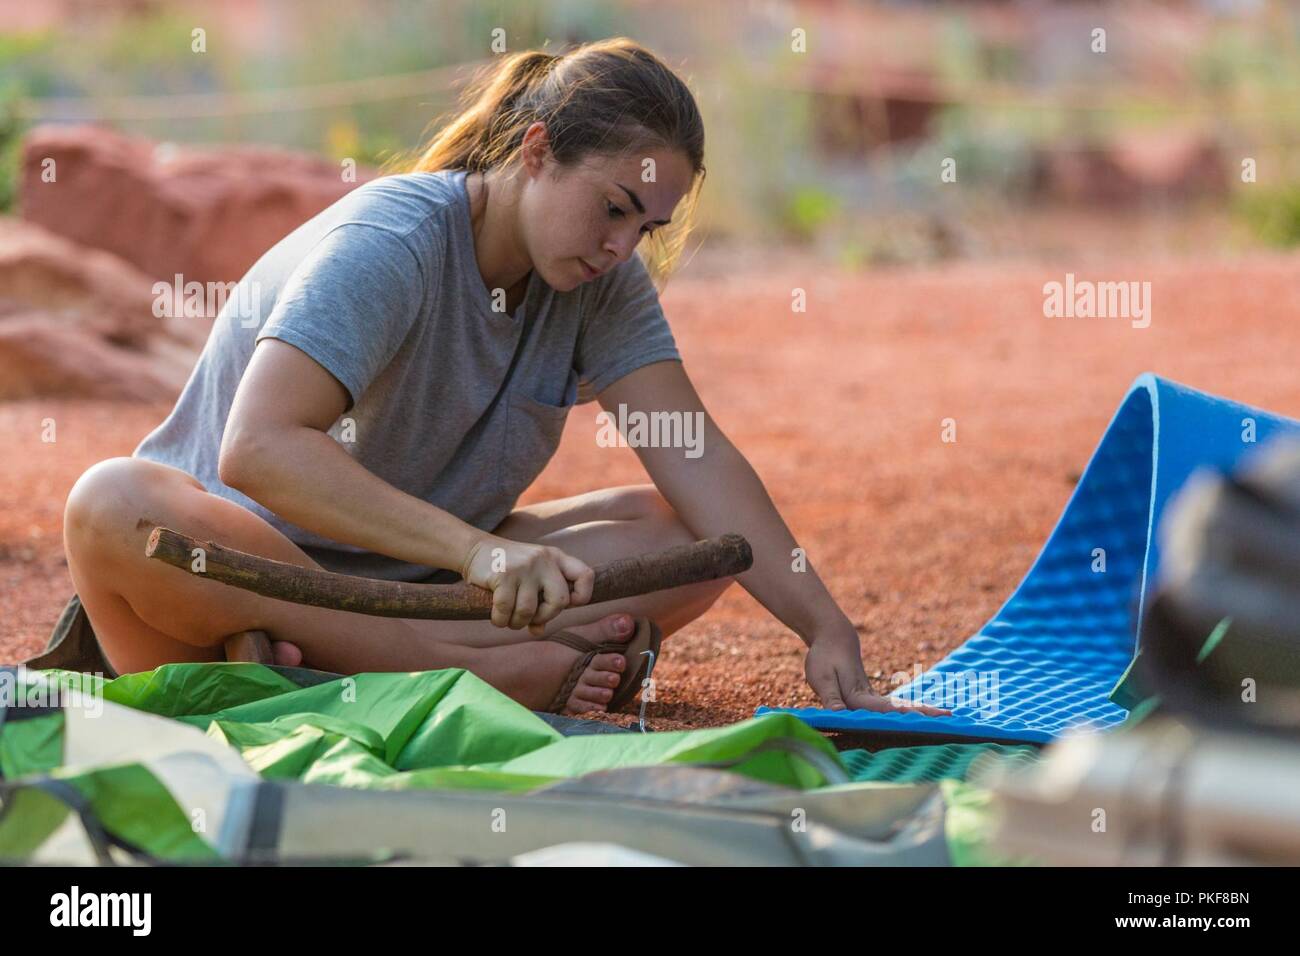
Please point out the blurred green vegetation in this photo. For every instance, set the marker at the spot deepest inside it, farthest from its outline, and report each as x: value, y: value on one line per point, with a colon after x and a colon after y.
x: 1271, y: 213
x: 345, y: 140
x: 25, y: 70
x: 779, y: 167
x: 806, y: 210
x: 10, y: 152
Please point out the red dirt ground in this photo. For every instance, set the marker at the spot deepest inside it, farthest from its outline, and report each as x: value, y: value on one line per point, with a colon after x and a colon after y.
x: 839, y: 410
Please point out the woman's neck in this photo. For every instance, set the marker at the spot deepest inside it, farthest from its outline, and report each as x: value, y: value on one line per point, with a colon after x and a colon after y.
x: 502, y: 261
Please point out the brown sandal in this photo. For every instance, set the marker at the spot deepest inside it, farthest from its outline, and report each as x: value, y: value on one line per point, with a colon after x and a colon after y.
x: 647, y: 638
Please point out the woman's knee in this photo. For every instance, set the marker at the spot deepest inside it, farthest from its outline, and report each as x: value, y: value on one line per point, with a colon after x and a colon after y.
x: 666, y: 529
x: 663, y: 526
x: 641, y: 503
x: 114, y: 500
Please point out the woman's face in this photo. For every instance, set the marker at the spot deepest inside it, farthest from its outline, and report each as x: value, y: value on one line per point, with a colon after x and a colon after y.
x: 577, y: 222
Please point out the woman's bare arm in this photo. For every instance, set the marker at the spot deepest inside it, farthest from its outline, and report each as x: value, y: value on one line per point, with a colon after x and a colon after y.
x: 276, y: 450
x: 719, y: 492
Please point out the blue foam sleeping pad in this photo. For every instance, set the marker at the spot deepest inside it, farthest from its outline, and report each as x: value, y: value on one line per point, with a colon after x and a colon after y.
x: 1047, y: 660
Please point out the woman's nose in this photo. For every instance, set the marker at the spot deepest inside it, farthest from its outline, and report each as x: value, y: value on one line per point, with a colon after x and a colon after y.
x: 621, y: 244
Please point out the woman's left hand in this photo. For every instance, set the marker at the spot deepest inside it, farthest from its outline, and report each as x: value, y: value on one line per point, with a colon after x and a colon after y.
x: 834, y: 670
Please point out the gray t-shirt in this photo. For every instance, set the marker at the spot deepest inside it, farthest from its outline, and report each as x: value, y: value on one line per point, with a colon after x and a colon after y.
x: 383, y: 290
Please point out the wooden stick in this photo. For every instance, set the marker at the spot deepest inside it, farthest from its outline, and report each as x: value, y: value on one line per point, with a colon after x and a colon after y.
x: 252, y: 646
x: 705, y: 560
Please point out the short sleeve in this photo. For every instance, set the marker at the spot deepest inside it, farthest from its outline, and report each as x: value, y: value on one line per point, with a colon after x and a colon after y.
x: 623, y: 328
x: 350, y: 303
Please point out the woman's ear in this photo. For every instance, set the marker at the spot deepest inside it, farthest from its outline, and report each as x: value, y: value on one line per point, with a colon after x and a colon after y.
x: 535, y: 148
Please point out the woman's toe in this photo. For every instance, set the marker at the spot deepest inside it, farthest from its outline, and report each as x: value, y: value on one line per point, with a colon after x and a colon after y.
x: 593, y: 682
x: 286, y: 654
x: 607, y: 664
x: 584, y: 699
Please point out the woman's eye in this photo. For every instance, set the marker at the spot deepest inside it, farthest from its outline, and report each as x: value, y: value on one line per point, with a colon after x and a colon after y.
x: 617, y: 212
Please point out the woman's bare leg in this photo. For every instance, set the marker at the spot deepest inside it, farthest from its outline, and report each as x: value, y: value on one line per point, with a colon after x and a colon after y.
x: 598, y: 527
x: 147, y: 613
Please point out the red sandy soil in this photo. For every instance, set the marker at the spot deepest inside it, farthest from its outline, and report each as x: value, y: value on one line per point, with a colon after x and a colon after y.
x: 839, y: 410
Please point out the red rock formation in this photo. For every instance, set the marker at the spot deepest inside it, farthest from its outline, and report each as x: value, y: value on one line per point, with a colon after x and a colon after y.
x: 78, y: 322
x: 1164, y: 166
x: 40, y: 358
x: 99, y: 291
x: 206, y: 213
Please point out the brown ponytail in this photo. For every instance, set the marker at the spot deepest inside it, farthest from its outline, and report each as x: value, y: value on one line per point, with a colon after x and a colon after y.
x: 609, y: 97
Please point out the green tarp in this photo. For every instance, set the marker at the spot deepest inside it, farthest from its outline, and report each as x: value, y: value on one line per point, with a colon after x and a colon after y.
x: 431, y: 729
x: 436, y: 730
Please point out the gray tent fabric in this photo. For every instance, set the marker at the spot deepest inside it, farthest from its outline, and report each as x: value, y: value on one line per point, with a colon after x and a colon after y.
x: 297, y: 821
x: 279, y: 822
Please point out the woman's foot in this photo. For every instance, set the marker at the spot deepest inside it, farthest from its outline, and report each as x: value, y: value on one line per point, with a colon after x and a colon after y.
x: 257, y: 648
x: 554, y: 661
x: 531, y: 671
x: 286, y: 654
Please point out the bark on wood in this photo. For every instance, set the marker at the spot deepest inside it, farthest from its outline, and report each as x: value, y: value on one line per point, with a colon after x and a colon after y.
x: 705, y: 560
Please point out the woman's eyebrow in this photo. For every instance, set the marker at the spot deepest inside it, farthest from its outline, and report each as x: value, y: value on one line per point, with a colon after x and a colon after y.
x: 636, y: 201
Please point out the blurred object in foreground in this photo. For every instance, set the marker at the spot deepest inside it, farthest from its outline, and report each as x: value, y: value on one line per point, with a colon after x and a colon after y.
x: 1212, y: 778
x: 206, y: 214
x: 1231, y: 549
x: 1162, y: 795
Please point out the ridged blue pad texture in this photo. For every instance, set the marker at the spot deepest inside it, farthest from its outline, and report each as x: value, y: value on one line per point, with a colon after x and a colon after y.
x: 930, y: 764
x: 1048, y: 659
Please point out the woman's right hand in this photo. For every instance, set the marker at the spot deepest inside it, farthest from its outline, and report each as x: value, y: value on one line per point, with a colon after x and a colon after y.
x: 530, y: 583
